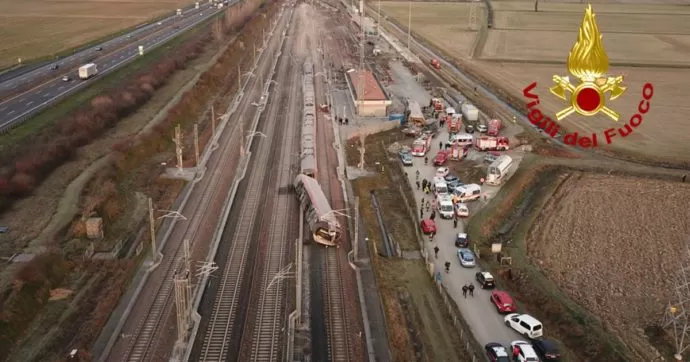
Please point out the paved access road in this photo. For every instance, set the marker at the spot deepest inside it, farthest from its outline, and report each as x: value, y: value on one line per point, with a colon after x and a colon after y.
x: 19, y: 107
x: 486, y: 324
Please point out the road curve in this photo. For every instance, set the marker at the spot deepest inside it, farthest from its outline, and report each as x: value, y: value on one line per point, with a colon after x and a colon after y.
x: 22, y: 106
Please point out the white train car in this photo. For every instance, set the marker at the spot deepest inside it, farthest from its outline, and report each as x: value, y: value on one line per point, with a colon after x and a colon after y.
x: 308, y: 144
x: 323, y: 224
x: 308, y: 164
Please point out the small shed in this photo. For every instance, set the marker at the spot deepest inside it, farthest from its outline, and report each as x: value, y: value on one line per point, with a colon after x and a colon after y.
x: 367, y: 94
x: 94, y: 228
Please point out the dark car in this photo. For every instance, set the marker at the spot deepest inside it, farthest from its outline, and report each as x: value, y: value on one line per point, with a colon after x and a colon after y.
x: 496, y: 352
x: 469, y: 128
x: 546, y: 349
x: 462, y: 240
x: 451, y: 178
x: 485, y: 280
x: 405, y: 158
x: 4, y: 229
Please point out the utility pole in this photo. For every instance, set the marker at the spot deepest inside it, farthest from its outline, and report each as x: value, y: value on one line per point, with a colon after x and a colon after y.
x: 362, y: 78
x: 183, y: 294
x: 409, y: 23
x: 213, y: 122
x: 178, y: 147
x: 152, y: 230
x: 196, y: 144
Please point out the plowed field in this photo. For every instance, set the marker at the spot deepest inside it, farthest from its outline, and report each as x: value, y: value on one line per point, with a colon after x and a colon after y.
x: 614, y: 245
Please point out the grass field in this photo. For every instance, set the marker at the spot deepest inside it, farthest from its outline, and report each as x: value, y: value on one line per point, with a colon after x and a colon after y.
x: 32, y: 29
x: 524, y: 47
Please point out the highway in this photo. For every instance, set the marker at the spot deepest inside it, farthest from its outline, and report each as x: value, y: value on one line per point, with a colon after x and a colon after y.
x: 17, y: 108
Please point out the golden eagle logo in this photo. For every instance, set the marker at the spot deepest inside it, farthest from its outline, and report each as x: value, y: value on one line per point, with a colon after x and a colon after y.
x: 588, y: 63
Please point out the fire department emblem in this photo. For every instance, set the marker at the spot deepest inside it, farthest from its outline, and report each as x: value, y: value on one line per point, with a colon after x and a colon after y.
x: 588, y: 63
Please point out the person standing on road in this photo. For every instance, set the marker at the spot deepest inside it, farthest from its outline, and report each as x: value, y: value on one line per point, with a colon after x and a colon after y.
x: 423, y: 184
x: 455, y: 223
x: 440, y: 145
x: 418, y: 184
x: 447, y: 267
x: 464, y: 290
x: 421, y: 212
x: 471, y: 288
x: 433, y: 215
x: 436, y: 251
x: 516, y: 352
x: 417, y: 173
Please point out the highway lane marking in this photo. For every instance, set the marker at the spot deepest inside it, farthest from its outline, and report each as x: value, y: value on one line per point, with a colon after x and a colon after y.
x: 78, y: 85
x: 46, y: 95
x: 10, y: 112
x: 29, y: 103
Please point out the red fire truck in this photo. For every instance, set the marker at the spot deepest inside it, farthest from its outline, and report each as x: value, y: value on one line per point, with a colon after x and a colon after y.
x: 421, y: 146
x: 454, y: 123
x: 489, y: 143
x: 438, y: 104
x: 494, y: 126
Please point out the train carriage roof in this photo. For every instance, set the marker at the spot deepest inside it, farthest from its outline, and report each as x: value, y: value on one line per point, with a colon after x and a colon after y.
x: 318, y: 198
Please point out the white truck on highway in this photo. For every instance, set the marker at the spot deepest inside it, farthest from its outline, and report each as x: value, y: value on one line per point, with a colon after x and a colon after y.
x: 87, y: 71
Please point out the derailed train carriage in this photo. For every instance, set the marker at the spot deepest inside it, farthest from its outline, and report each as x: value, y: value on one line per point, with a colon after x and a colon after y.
x: 323, y: 224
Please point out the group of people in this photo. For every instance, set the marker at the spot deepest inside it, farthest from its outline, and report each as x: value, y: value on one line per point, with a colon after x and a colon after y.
x: 343, y: 121
x: 468, y: 288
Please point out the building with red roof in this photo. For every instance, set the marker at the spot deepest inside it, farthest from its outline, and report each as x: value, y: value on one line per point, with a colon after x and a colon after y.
x: 367, y: 93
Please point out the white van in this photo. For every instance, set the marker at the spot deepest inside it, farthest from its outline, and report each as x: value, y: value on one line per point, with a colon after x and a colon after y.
x: 466, y: 193
x: 463, y: 139
x: 440, y: 186
x: 498, y: 170
x: 445, y: 206
x: 525, y: 325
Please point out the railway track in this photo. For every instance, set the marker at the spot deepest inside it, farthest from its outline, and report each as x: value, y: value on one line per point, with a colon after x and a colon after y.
x: 270, y: 314
x: 142, y: 342
x: 230, y: 327
x: 336, y: 290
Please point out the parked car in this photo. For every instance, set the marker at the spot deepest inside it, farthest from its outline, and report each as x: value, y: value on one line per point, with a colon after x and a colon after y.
x: 410, y: 131
x: 482, y: 128
x: 441, y: 158
x: 99, y: 49
x: 442, y: 172
x: 451, y: 178
x: 406, y: 158
x: 462, y: 240
x: 462, y: 210
x: 469, y: 128
x: 496, y: 352
x: 466, y: 258
x: 485, y: 280
x: 525, y: 325
x: 54, y: 67
x: 428, y: 226
x: 453, y: 182
x: 4, y: 229
x: 547, y: 350
x: 66, y: 78
x: 489, y: 158
x: 525, y: 352
x: 503, y: 302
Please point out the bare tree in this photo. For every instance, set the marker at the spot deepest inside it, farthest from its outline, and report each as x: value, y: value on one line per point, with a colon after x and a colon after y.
x: 362, y: 148
x: 536, y: 5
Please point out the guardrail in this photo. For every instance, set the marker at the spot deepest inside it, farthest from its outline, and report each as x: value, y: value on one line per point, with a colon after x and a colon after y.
x: 32, y: 112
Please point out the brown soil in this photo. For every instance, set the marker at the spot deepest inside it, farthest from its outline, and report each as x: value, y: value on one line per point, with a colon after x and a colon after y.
x: 633, y: 245
x: 417, y: 322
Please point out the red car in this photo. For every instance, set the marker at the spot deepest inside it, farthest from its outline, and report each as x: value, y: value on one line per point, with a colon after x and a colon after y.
x: 428, y: 226
x: 441, y: 158
x: 503, y: 302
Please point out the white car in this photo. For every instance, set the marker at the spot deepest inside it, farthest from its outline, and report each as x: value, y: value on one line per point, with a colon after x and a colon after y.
x: 442, y: 172
x: 466, y: 258
x: 526, y: 352
x: 482, y: 128
x: 462, y: 210
x: 525, y: 325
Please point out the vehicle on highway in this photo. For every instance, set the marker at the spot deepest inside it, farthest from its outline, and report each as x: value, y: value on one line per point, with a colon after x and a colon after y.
x: 98, y: 49
x: 525, y: 325
x: 462, y: 210
x: 503, y: 302
x: 546, y: 349
x: 440, y: 158
x: 525, y: 352
x: 442, y: 172
x: 462, y: 240
x: 322, y: 221
x: 66, y: 78
x: 405, y: 157
x: 482, y: 128
x: 54, y: 67
x: 87, y: 71
x: 496, y: 352
x: 466, y: 258
x: 465, y: 193
x: 485, y: 280
x: 428, y: 226
x: 445, y: 206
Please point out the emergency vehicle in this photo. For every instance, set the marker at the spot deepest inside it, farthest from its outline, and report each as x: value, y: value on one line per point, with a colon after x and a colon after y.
x: 440, y: 186
x: 438, y: 104
x: 441, y: 158
x: 488, y: 143
x: 421, y: 146
x: 458, y: 152
x: 454, y: 123
x: 494, y: 127
x: 444, y: 204
x: 466, y: 193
